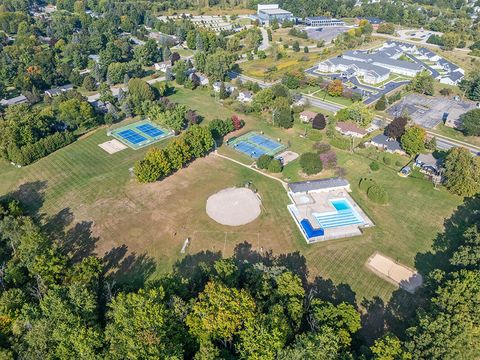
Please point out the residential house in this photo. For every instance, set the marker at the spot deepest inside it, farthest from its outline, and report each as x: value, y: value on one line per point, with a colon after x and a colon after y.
x: 163, y: 66
x: 229, y: 88
x: 374, y: 21
x: 350, y: 129
x: 203, y: 79
x: 94, y: 57
x: 428, y: 164
x: 387, y: 144
x: 245, y: 96
x: 59, y: 90
x: 307, y: 116
x: 14, y: 101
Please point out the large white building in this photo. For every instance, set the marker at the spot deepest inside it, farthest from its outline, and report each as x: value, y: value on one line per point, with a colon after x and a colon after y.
x: 269, y: 12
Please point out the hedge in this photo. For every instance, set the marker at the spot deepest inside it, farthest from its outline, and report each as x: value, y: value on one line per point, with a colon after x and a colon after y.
x: 30, y: 153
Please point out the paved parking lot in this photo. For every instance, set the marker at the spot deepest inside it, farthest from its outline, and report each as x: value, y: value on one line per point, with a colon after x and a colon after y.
x: 327, y: 33
x: 428, y: 111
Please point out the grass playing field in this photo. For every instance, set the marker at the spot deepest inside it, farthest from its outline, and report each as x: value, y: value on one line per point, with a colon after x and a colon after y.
x: 152, y: 221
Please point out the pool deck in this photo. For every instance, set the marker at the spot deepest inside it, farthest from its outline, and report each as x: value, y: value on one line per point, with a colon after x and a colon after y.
x: 304, y: 205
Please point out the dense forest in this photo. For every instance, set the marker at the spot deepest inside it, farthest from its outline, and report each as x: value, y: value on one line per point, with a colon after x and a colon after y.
x: 60, y: 300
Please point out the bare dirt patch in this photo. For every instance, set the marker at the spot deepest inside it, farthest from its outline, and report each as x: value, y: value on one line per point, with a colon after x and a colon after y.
x: 112, y: 146
x: 398, y: 274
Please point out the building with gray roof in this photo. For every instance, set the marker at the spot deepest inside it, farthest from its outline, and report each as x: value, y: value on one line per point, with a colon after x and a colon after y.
x: 383, y: 142
x: 319, y: 185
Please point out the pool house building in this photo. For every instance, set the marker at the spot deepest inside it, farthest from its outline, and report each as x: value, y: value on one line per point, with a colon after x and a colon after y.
x: 324, y: 210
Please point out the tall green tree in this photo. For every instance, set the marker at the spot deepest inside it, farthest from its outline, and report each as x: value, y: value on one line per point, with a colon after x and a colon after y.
x: 462, y: 172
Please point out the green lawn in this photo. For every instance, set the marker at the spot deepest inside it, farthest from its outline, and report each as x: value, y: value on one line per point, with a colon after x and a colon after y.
x: 155, y: 219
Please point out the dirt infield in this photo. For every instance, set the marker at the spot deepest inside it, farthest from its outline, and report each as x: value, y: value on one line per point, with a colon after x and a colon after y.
x: 398, y: 274
x: 233, y: 206
x: 113, y: 146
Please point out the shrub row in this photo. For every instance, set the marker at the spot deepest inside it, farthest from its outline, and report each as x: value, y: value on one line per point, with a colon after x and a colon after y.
x: 29, y: 153
x: 196, y: 142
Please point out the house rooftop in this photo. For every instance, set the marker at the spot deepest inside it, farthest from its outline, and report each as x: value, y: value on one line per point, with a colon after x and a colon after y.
x: 14, y: 101
x: 304, y: 186
x: 429, y: 160
x: 351, y: 127
x: 388, y: 143
x: 308, y: 114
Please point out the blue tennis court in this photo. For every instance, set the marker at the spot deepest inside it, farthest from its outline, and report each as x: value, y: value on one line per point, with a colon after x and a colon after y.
x: 132, y: 136
x: 250, y: 150
x: 265, y: 142
x: 140, y: 134
x: 255, y: 145
x: 150, y: 130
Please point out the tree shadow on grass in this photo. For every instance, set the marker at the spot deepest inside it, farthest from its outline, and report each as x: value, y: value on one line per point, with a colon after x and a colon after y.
x: 373, y: 320
x: 75, y: 240
x: 326, y: 290
x: 447, y: 242
x: 130, y: 271
x: 30, y: 195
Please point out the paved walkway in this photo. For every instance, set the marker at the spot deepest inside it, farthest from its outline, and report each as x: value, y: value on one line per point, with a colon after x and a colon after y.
x: 285, y: 185
x: 265, y: 43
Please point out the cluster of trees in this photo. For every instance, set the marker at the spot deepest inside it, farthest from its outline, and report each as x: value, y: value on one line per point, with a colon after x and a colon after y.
x: 215, y: 65
x: 422, y: 83
x: 268, y: 162
x: 276, y: 99
x: 195, y: 142
x: 462, y: 172
x: 298, y: 33
x: 471, y: 86
x: 358, y: 112
x: 219, y: 128
x: 355, y: 37
x: 386, y: 28
x: 28, y: 133
x: 471, y: 122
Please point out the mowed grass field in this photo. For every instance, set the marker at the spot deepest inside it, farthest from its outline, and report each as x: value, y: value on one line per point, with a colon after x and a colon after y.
x: 153, y: 220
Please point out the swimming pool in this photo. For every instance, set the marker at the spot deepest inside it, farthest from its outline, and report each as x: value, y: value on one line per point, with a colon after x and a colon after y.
x: 343, y: 215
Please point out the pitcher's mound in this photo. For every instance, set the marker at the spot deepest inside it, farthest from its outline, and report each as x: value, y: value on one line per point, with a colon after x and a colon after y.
x: 233, y: 206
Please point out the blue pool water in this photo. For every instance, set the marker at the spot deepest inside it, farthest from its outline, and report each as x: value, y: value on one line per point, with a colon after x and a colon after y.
x: 309, y: 230
x: 343, y: 216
